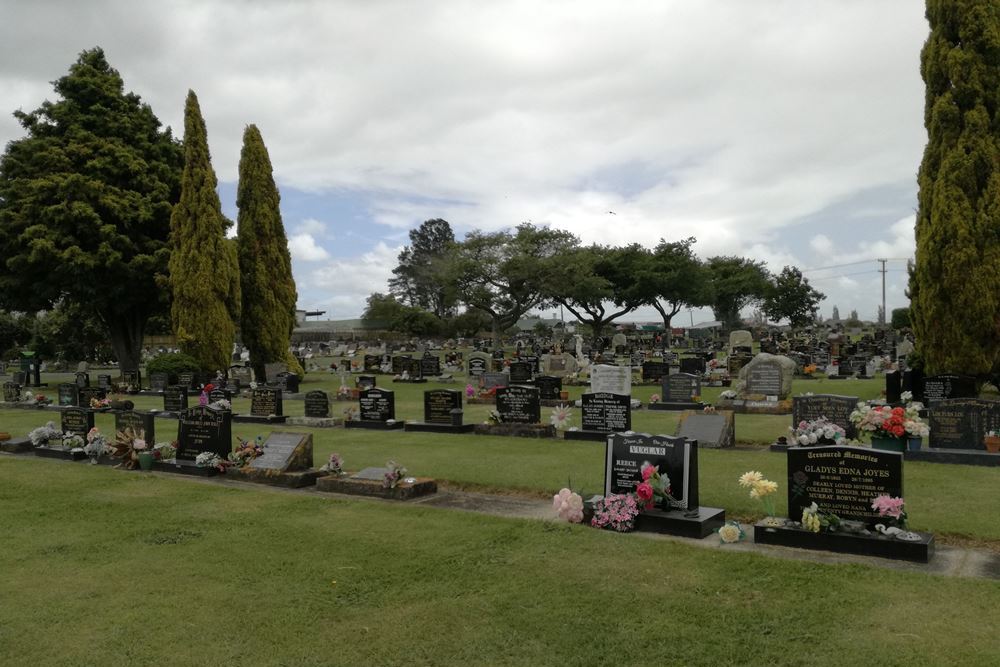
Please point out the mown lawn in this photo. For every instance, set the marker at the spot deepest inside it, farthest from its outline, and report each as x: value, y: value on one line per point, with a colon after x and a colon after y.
x: 105, y: 567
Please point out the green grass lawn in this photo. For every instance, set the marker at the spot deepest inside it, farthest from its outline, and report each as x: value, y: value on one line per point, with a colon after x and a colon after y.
x: 105, y: 567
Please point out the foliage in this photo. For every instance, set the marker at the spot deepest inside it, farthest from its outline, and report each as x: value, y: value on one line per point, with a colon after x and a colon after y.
x: 736, y: 283
x: 86, y: 199
x: 424, y: 276
x: 675, y: 279
x: 267, y: 287
x: 172, y: 363
x: 955, y: 286
x: 790, y: 296
x: 900, y: 318
x: 836, y: 314
x: 69, y: 332
x: 385, y: 311
x: 204, y: 276
x: 15, y: 332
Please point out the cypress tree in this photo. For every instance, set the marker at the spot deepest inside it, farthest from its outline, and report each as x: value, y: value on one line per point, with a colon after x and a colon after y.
x: 955, y: 282
x: 266, y: 281
x: 204, y: 276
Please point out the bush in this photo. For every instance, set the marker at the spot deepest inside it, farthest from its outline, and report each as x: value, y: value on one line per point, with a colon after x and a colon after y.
x: 172, y: 363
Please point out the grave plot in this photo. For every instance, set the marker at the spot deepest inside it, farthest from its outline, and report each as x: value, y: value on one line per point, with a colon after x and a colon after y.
x: 518, y: 414
x: 376, y: 410
x: 265, y: 407
x: 287, y: 461
x: 442, y: 413
x: 601, y: 414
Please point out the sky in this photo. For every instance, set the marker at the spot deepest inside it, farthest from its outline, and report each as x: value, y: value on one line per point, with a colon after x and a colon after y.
x: 784, y: 131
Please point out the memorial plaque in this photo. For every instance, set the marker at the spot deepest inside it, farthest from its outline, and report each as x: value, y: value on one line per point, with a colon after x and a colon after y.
x: 286, y: 382
x: 265, y: 401
x: 317, y: 404
x: 438, y: 404
x: 158, y: 381
x: 219, y: 395
x: 943, y: 387
x: 654, y: 371
x: 682, y: 388
x: 764, y: 378
x: 186, y: 379
x: 378, y: 405
x: 77, y: 420
x: 842, y: 480
x: 104, y: 381
x: 490, y: 380
x: 287, y: 452
x: 273, y: 370
x: 132, y: 379
x: 605, y: 379
x: 549, y: 387
x: 677, y: 458
x: 400, y: 364
x: 430, y: 366
x: 372, y: 363
x: 87, y: 394
x: 11, y: 392
x: 962, y: 423
x: 520, y: 372
x: 204, y: 429
x: 836, y: 409
x: 69, y: 394
x: 519, y: 405
x: 82, y: 379
x: 175, y: 398
x: 242, y: 375
x: 605, y: 411
x: 708, y: 429
x: 477, y: 364
x: 693, y: 365
x: 141, y: 423
x: 366, y: 381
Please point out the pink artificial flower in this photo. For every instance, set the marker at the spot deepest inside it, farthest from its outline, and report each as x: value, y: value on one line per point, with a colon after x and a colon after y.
x: 887, y: 506
x: 647, y: 472
x: 644, y: 491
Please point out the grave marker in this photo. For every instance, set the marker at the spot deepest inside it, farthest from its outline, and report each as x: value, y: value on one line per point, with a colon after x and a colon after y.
x: 204, y: 429
x: 140, y: 423
x: 519, y: 405
x: 438, y: 404
x: 379, y: 405
x: 175, y: 399
x: 836, y: 409
x: 78, y: 421
x: 711, y: 429
x: 265, y: 401
x: 677, y: 458
x: 604, y: 411
x: 286, y: 452
x: 317, y: 404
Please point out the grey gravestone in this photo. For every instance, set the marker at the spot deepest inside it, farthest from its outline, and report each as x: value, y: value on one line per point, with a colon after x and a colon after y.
x: 265, y: 401
x: 142, y: 424
x: 371, y: 474
x: 438, y: 404
x: 490, y: 380
x: 764, y: 378
x: 836, y: 409
x: 681, y: 388
x: 83, y: 379
x: 606, y: 412
x: 611, y: 380
x: 175, y: 399
x: 287, y: 452
x: 158, y: 381
x: 549, y: 387
x: 204, y: 429
x: 712, y: 429
x: 272, y: 370
x: 104, y: 381
x: 317, y: 405
x: 962, y: 423
x: 677, y: 458
x: 69, y: 394
x: 842, y: 480
x: 78, y: 421
x: 11, y: 392
x: 519, y: 405
x: 477, y: 364
x: 377, y: 405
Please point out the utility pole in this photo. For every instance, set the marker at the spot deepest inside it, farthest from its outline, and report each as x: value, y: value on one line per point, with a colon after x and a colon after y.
x: 883, y: 272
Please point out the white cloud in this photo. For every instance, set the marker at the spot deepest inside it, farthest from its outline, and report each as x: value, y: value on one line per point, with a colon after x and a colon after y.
x: 313, y: 227
x: 304, y: 248
x: 342, y: 285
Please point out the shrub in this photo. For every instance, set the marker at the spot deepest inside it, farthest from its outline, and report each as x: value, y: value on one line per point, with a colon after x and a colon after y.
x: 172, y: 363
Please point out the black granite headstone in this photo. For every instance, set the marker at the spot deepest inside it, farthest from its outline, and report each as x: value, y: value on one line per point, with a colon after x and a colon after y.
x: 438, y: 404
x: 518, y: 405
x: 265, y: 401
x: 366, y: 381
x: 477, y: 366
x: 175, y: 399
x: 430, y: 366
x: 520, y: 371
x: 654, y: 371
x: 549, y: 387
x: 681, y: 388
x: 204, y: 429
x: 158, y: 381
x: 942, y: 387
x: 317, y: 405
x: 962, y: 423
x: 104, y: 381
x: 893, y: 387
x: 693, y: 365
x: 377, y: 405
x: 677, y: 458
x: 132, y: 379
x: 836, y: 409
x: 87, y: 394
x: 82, y: 379
x: 372, y: 363
x: 140, y: 423
x: 77, y: 420
x: 11, y: 392
x: 69, y: 394
x: 605, y: 411
x: 187, y: 379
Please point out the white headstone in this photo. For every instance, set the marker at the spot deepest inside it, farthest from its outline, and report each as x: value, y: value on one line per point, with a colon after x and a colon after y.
x: 611, y: 379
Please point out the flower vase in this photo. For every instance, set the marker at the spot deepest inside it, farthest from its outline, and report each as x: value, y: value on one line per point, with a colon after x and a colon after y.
x: 888, y: 444
x: 146, y: 460
x: 992, y: 444
x: 563, y: 395
x: 913, y: 444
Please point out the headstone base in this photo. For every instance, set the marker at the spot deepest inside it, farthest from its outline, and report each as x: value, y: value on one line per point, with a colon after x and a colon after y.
x: 847, y: 543
x: 288, y: 480
x: 779, y: 447
x: 475, y: 400
x: 595, y: 436
x: 668, y: 405
x: 969, y: 457
x: 166, y: 415
x: 64, y: 453
x: 422, y: 486
x: 517, y: 430
x: 413, y: 381
x: 426, y: 427
x: 315, y: 422
x: 747, y: 407
x: 185, y: 468
x: 16, y: 445
x: 253, y: 419
x: 697, y: 524
x: 374, y: 425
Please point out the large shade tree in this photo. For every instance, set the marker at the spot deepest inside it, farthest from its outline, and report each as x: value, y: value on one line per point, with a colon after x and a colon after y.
x: 955, y: 282
x: 424, y: 276
x: 736, y: 282
x: 791, y: 297
x: 204, y: 276
x: 674, y: 279
x: 85, y: 201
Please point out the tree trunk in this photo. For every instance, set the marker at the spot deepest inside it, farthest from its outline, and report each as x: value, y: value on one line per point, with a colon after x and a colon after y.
x: 126, y: 330
x: 496, y: 333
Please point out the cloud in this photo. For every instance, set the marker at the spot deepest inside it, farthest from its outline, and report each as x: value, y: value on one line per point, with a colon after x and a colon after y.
x: 312, y: 227
x: 342, y: 285
x: 304, y: 248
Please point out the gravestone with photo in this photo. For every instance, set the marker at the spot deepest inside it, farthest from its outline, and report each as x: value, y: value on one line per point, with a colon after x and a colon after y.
x: 711, y: 430
x: 442, y: 413
x: 69, y: 394
x: 677, y: 459
x: 681, y: 391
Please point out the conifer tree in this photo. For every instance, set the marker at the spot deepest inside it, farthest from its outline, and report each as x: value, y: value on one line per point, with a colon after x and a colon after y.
x: 266, y: 281
x: 955, y: 282
x: 204, y: 277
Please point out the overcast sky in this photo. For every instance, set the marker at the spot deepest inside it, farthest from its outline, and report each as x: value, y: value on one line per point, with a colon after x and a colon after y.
x: 789, y: 132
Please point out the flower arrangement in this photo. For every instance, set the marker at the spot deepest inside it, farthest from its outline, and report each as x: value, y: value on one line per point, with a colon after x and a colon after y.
x: 37, y: 399
x: 210, y: 460
x: 880, y: 421
x: 568, y: 506
x: 891, y: 508
x: 127, y: 446
x: 654, y: 488
x: 343, y: 392
x: 100, y: 403
x: 817, y: 432
x: 97, y: 444
x: 809, y: 369
x: 760, y: 489
x: 350, y: 413
x: 494, y: 418
x: 221, y: 404
x: 165, y: 451
x: 393, y: 475
x: 731, y: 532
x: 72, y: 440
x: 334, y: 466
x: 560, y: 417
x: 728, y: 394
x: 616, y: 512
x: 654, y: 399
x: 43, y: 434
x: 246, y: 451
x: 814, y: 519
x: 470, y: 391
x: 709, y: 409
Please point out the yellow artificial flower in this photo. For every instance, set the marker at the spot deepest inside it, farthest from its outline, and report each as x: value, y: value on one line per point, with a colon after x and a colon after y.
x: 764, y: 487
x: 750, y: 478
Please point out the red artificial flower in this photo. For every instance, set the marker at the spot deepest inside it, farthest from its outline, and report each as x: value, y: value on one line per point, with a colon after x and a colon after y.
x: 644, y: 491
x: 209, y: 388
x: 647, y: 472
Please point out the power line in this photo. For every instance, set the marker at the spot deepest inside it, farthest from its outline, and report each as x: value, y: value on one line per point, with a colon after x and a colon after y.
x: 843, y: 275
x: 863, y: 261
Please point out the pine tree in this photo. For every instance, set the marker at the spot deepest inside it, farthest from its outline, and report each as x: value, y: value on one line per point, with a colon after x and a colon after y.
x: 204, y: 276
x: 266, y: 281
x: 955, y: 283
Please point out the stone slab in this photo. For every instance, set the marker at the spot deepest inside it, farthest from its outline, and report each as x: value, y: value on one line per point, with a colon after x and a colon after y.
x: 251, y: 419
x: 185, y: 468
x: 16, y: 445
x: 517, y: 430
x: 422, y: 486
x: 315, y: 422
x: 675, y: 406
x: 864, y: 545
x: 697, y: 525
x: 748, y: 407
x: 59, y: 453
x: 375, y: 426
x: 288, y: 480
x: 594, y: 436
x: 425, y: 427
x: 956, y: 456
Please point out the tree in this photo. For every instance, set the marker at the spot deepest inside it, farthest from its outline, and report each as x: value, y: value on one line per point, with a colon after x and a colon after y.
x: 385, y: 311
x: 675, y: 279
x: 791, y: 297
x: 955, y: 285
x: 836, y: 314
x: 880, y: 315
x: 736, y: 283
x: 85, y: 202
x: 424, y: 278
x: 585, y: 280
x: 900, y: 318
x: 204, y: 273
x: 505, y: 274
x: 267, y: 287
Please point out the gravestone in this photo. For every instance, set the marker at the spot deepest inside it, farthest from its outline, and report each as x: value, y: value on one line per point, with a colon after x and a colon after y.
x: 438, y: 404
x: 893, y: 387
x: 962, y: 423
x: 265, y: 401
x: 430, y: 366
x: 836, y: 409
x: 520, y: 372
x: 677, y: 458
x: 87, y: 394
x: 611, y: 380
x: 272, y: 370
x: 11, y: 392
x: 142, y: 424
x: 378, y: 405
x: 913, y: 382
x: 372, y: 363
x: 477, y: 364
x: 104, y: 381
x: 400, y: 364
x: 286, y: 452
x: 942, y: 387
x: 415, y: 369
x: 287, y: 382
x: 682, y: 388
x: 768, y: 375
x: 132, y: 379
x: 175, y: 399
x: 69, y: 394
x: 491, y: 380
x: 366, y: 381
x: 82, y: 379
x: 842, y: 480
x: 158, y: 381
x: 317, y: 405
x: 243, y: 375
x: 78, y: 421
x: 219, y: 394
x: 549, y: 387
x: 654, y: 371
x: 693, y: 365
x: 708, y: 429
x: 741, y: 339
x: 559, y: 365
x: 187, y: 379
x: 606, y: 412
x: 519, y: 405
x: 204, y: 429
